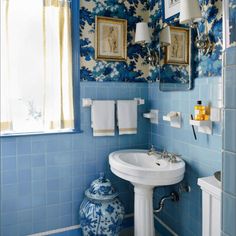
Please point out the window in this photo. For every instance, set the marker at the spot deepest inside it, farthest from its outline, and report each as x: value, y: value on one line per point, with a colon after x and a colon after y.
x: 36, y: 67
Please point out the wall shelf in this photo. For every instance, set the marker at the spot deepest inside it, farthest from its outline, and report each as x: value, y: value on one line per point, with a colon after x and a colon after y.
x: 174, y: 118
x: 204, y: 126
x: 152, y: 115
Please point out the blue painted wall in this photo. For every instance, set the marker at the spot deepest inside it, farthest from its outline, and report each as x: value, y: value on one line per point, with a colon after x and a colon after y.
x: 43, y: 177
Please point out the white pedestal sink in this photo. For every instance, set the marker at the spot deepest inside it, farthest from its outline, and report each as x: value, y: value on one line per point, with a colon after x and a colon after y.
x: 145, y: 172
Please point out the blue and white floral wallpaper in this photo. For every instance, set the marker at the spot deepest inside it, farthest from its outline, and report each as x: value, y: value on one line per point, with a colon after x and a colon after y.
x: 135, y: 69
x: 232, y: 22
x: 204, y: 65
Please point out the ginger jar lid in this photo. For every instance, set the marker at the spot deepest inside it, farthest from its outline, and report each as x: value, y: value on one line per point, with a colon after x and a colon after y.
x: 101, y: 189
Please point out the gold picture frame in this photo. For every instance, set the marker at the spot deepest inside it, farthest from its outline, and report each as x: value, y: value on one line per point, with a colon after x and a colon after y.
x: 110, y: 39
x: 177, y: 52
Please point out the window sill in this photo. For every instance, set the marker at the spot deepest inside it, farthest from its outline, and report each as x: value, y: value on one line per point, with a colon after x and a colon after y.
x: 40, y: 133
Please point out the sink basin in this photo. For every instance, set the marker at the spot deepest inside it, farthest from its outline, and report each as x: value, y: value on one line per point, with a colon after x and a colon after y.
x: 145, y: 172
x: 138, y: 167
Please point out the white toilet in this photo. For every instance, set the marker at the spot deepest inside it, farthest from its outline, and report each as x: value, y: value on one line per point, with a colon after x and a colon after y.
x: 211, y: 206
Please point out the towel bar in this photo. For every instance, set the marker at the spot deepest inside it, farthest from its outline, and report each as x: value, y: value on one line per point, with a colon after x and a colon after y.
x: 87, y: 102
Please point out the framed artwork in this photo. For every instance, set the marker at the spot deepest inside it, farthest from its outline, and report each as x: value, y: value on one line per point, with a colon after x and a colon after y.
x: 111, y: 39
x: 170, y: 9
x: 178, y: 51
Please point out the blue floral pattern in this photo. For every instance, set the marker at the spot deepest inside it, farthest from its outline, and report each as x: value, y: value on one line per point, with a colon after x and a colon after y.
x: 135, y: 69
x: 103, y: 216
x: 99, y: 219
x: 232, y: 22
x: 209, y: 65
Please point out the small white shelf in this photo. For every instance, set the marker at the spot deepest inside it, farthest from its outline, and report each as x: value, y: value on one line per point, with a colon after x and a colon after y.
x: 174, y: 118
x: 152, y: 115
x: 204, y: 126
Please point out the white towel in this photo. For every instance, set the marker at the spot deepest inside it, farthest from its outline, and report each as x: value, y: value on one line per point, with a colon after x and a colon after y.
x: 127, y: 116
x: 103, y: 118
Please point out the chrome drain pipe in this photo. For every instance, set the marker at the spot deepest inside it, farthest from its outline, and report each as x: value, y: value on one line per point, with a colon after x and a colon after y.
x: 174, y: 197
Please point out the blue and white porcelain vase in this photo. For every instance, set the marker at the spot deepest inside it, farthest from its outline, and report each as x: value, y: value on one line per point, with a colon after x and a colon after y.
x: 101, y: 212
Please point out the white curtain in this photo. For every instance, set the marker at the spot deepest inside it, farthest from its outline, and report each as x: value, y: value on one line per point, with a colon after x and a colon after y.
x: 36, y: 77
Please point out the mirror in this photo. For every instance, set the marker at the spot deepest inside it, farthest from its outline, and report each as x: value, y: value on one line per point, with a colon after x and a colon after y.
x: 175, y: 59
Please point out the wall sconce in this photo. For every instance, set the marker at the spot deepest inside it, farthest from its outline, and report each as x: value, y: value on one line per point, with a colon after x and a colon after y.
x: 191, y: 14
x: 142, y: 36
x: 165, y: 37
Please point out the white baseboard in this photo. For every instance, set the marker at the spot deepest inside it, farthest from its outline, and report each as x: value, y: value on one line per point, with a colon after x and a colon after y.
x: 165, y: 226
x: 55, y: 231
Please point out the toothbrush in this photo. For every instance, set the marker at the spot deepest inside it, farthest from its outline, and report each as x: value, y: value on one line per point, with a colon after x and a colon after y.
x: 194, y: 133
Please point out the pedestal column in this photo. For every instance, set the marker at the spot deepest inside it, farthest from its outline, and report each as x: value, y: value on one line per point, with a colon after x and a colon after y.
x: 143, y: 210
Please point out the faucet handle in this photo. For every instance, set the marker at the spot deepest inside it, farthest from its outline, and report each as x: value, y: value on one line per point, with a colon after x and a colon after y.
x: 152, y: 148
x: 177, y: 155
x: 165, y: 154
x: 173, y: 157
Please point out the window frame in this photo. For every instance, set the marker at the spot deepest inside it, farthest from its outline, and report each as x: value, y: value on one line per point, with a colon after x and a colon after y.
x: 75, y: 36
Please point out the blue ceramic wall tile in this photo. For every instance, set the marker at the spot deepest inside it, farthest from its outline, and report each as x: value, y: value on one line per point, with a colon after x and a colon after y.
x: 229, y: 173
x: 53, y: 211
x: 8, y: 191
x: 8, y: 163
x: 38, y: 146
x: 38, y: 160
x: 229, y: 214
x: 24, y: 202
x: 24, y: 189
x: 23, y: 148
x: 230, y: 130
x: 42, y: 173
x: 40, y: 225
x: 5, y: 219
x: 9, y: 231
x: 24, y: 216
x: 25, y: 228
x: 66, y: 196
x: 202, y: 156
x: 230, y: 56
x: 53, y: 197
x: 230, y: 87
x: 9, y: 205
x: 8, y: 148
x: 39, y: 213
x: 23, y: 162
x: 9, y: 177
x: 75, y: 164
x: 24, y: 176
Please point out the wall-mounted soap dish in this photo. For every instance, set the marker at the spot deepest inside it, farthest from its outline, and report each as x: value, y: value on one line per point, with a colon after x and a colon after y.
x: 152, y: 115
x: 174, y: 118
x: 203, y: 126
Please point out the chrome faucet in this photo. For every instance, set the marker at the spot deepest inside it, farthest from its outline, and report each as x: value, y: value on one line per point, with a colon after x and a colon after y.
x: 165, y: 154
x: 153, y: 151
x: 173, y: 157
